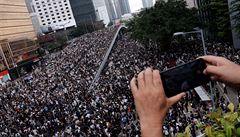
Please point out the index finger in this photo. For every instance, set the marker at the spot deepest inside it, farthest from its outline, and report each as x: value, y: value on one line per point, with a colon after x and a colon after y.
x: 213, y: 60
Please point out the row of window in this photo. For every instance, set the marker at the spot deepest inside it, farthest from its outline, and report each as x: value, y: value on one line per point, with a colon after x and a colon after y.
x: 67, y: 8
x: 52, y: 14
x: 44, y: 23
x: 69, y: 17
x: 50, y: 6
x: 47, y: 1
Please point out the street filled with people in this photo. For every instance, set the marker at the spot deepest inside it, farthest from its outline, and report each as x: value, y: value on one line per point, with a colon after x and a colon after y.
x: 55, y: 100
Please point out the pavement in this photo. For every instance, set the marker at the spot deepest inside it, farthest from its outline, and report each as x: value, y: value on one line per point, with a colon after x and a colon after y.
x: 230, y: 96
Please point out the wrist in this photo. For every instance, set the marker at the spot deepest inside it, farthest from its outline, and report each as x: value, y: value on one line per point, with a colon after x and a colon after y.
x: 151, y: 129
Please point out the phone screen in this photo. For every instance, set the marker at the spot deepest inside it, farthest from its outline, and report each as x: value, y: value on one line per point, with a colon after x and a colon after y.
x: 184, y: 77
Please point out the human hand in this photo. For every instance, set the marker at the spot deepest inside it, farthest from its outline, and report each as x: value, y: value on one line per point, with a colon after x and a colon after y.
x: 151, y: 103
x: 221, y: 69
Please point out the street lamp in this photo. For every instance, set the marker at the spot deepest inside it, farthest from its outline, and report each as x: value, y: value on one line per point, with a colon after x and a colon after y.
x: 194, y: 32
x: 204, y: 51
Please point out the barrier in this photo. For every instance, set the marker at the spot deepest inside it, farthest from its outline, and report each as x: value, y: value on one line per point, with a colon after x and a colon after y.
x: 122, y: 27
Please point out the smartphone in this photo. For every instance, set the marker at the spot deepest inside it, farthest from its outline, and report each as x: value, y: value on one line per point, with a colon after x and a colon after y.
x: 184, y: 77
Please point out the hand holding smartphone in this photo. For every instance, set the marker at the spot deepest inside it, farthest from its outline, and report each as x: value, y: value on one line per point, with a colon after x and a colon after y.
x: 185, y: 77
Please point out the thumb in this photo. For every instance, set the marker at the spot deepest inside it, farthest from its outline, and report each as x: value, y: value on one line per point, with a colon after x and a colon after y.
x: 176, y: 98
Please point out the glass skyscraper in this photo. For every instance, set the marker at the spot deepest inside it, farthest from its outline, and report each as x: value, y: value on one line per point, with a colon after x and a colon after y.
x: 83, y: 11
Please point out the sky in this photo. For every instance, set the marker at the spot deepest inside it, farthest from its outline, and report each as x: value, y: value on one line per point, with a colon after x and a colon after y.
x: 135, y: 5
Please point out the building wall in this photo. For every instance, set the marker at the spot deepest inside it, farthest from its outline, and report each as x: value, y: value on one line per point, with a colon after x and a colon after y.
x: 235, y: 35
x: 83, y: 11
x: 34, y: 17
x: 124, y: 5
x: 15, y: 21
x: 101, y: 11
x: 55, y: 14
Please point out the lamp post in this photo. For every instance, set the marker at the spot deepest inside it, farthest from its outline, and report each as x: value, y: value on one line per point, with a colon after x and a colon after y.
x: 205, y: 53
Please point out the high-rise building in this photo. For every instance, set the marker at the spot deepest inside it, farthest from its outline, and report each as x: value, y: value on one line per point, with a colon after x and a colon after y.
x: 54, y: 14
x: 83, y: 11
x: 235, y: 35
x: 114, y: 9
x: 101, y: 11
x: 147, y: 3
x: 17, y: 36
x: 124, y: 5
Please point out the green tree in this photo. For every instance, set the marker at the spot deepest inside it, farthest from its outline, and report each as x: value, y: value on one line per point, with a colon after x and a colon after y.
x: 235, y: 10
x: 157, y: 24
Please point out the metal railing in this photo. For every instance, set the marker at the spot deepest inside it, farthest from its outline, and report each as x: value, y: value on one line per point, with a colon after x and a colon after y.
x: 106, y: 57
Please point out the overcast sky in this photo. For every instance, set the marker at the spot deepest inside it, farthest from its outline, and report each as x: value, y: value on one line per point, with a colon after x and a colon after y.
x: 135, y: 5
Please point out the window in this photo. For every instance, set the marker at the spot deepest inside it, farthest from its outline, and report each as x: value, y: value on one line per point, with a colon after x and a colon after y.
x: 64, y: 19
x: 68, y: 11
x: 57, y: 13
x: 58, y: 17
x: 52, y: 15
x: 41, y: 17
x: 70, y: 18
x: 59, y: 20
x: 40, y: 13
x: 48, y: 19
x: 39, y: 10
x: 67, y: 7
x: 44, y: 24
x: 49, y: 22
x: 54, y: 21
x: 38, y: 7
x: 43, y: 20
x: 50, y: 7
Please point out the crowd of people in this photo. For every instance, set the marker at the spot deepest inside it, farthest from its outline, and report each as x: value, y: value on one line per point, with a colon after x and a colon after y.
x: 55, y: 100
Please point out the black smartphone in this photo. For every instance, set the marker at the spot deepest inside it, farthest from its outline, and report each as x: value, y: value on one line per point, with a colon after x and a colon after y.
x: 184, y: 77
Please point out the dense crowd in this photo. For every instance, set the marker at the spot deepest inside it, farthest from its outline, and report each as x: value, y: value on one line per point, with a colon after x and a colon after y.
x: 54, y: 99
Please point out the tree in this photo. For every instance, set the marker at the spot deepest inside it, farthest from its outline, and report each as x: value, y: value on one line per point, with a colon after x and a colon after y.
x: 235, y: 10
x: 156, y: 25
x: 223, y: 124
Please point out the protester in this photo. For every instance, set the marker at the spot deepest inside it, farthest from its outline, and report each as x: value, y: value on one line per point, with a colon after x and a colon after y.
x: 55, y: 100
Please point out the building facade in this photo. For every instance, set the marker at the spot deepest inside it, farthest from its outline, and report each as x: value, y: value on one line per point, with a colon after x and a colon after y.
x: 101, y: 11
x: 235, y: 35
x: 54, y: 14
x: 34, y: 17
x: 124, y: 5
x: 83, y: 11
x: 17, y: 35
